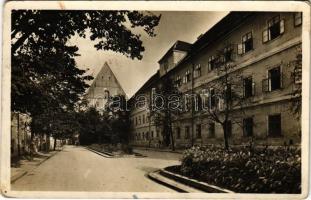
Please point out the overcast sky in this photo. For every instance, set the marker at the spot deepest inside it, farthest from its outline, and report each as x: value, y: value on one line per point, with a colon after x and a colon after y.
x: 132, y: 74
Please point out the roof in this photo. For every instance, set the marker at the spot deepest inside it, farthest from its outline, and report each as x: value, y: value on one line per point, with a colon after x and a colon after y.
x: 148, y: 83
x: 219, y: 30
x: 178, y: 45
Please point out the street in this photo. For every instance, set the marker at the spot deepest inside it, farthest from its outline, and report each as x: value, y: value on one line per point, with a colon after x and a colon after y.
x: 78, y: 169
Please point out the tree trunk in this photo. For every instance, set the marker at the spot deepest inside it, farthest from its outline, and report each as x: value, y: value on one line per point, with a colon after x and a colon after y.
x: 54, y: 146
x: 224, y: 127
x: 172, y: 138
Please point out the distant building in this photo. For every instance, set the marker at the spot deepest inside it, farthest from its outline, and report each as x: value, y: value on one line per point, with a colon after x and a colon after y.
x: 265, y: 45
x: 104, y: 86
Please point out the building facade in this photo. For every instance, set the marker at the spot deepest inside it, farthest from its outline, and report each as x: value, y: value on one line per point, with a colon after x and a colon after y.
x: 263, y: 48
x: 104, y: 86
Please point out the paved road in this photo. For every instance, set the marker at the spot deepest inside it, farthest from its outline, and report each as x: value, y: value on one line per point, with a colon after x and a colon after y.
x: 78, y: 169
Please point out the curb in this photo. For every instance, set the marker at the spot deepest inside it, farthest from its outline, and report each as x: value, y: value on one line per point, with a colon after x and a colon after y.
x: 16, y: 177
x: 158, y: 150
x: 100, y: 153
x: 170, y: 183
x: 205, y: 187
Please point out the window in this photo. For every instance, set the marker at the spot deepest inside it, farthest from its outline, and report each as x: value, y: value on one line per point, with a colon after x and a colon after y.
x: 143, y: 119
x: 229, y: 128
x: 248, y: 87
x: 248, y: 127
x: 152, y: 134
x: 139, y: 119
x: 187, y: 102
x: 187, y: 132
x: 274, y: 80
x: 247, y: 43
x: 178, y: 132
x: 178, y: 81
x: 198, y: 131
x: 197, y: 71
x: 136, y: 121
x: 211, y: 129
x: 275, y: 29
x: 211, y: 63
x: 228, y: 91
x: 274, y: 125
x: 297, y: 19
x: 147, y: 135
x: 228, y: 54
x: 187, y: 77
x: 157, y: 132
x: 212, y: 98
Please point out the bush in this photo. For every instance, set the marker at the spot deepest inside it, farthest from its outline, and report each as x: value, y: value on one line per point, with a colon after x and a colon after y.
x: 260, y: 170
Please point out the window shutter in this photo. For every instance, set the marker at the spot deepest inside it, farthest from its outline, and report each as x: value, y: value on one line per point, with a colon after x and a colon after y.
x: 253, y: 88
x: 282, y: 28
x: 265, y: 36
x: 240, y: 49
x: 269, y: 84
x: 265, y: 85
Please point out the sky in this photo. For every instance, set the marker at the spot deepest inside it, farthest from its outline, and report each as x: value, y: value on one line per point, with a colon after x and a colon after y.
x: 132, y: 74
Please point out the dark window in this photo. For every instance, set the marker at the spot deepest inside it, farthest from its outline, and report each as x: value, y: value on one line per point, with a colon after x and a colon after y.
x: 178, y: 132
x: 139, y: 119
x: 212, y: 63
x: 297, y: 18
x: 247, y: 42
x: 157, y: 132
x: 248, y: 87
x: 187, y: 132
x: 198, y: 131
x: 228, y: 92
x: 212, y: 99
x: 275, y: 125
x: 248, y: 127
x: 143, y: 119
x: 147, y: 135
x: 229, y: 128
x: 197, y: 71
x: 274, y: 76
x: 275, y: 28
x: 211, y: 129
x: 228, y: 54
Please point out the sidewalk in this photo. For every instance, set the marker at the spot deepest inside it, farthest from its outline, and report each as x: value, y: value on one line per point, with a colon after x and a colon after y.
x: 23, y: 166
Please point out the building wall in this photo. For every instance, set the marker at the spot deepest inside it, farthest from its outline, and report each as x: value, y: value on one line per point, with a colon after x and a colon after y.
x: 105, y: 84
x: 280, y: 51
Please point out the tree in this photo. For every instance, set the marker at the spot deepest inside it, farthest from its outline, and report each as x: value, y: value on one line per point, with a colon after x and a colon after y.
x: 165, y: 107
x: 120, y: 122
x: 297, y: 83
x: 224, y: 96
x: 43, y: 67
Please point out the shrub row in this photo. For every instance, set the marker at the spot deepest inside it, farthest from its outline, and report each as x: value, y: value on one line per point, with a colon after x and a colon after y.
x: 245, y: 170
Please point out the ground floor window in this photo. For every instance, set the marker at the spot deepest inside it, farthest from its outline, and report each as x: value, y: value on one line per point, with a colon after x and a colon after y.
x: 274, y: 125
x: 229, y: 128
x: 178, y: 132
x: 187, y: 132
x: 198, y: 131
x: 211, y: 129
x: 248, y: 127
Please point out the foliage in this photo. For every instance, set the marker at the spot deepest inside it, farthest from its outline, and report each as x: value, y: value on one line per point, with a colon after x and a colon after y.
x: 297, y: 89
x: 260, y: 170
x: 94, y: 127
x: 45, y: 79
x: 162, y: 111
x: 227, y: 92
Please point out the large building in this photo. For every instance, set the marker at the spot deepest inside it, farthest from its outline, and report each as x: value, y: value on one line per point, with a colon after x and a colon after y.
x: 264, y: 47
x: 104, y: 86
